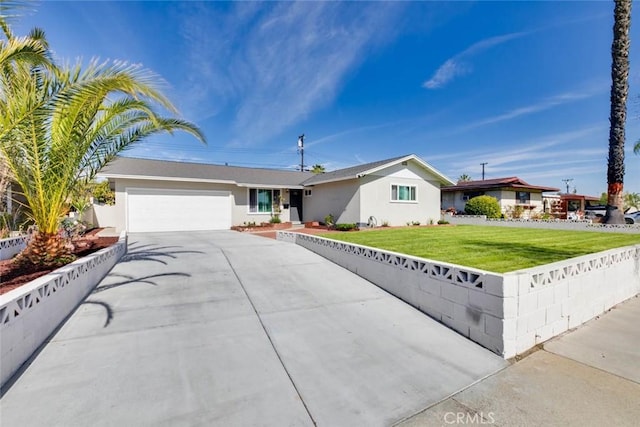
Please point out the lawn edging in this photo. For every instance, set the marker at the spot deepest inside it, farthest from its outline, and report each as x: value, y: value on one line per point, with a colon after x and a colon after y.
x: 505, y: 313
x: 11, y: 246
x: 31, y: 313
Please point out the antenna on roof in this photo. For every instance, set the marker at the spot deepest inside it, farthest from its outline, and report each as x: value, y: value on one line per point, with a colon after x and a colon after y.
x: 485, y: 163
x: 301, y: 151
x: 566, y: 182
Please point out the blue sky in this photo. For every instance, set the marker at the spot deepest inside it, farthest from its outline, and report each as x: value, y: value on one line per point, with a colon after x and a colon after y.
x: 523, y: 86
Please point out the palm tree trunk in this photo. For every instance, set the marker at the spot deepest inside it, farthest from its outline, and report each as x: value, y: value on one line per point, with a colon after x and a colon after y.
x: 618, y: 117
x: 46, y: 250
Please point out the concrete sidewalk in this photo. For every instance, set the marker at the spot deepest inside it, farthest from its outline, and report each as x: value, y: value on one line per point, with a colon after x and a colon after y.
x: 229, y: 329
x: 587, y: 377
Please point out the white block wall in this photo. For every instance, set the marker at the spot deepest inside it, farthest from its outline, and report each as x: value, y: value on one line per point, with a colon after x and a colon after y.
x: 31, y: 313
x: 505, y: 313
x: 556, y: 297
x: 11, y: 246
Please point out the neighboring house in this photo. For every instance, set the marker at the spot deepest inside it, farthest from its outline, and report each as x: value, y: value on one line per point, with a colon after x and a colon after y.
x: 510, y: 192
x: 157, y: 195
x: 571, y: 205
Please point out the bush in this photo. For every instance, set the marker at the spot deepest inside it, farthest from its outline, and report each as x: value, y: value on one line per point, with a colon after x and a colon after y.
x: 346, y: 227
x: 102, y: 193
x: 275, y: 219
x: 329, y: 220
x: 483, y: 205
x: 443, y: 222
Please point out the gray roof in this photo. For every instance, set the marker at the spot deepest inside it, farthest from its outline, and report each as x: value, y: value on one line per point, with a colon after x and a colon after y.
x: 347, y: 173
x: 130, y: 167
x: 364, y: 169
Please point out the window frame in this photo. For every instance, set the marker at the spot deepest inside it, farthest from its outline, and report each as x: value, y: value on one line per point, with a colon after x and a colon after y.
x: 412, y: 190
x: 253, y: 203
x: 519, y: 199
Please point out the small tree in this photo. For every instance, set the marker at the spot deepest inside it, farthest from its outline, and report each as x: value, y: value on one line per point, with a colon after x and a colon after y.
x: 464, y: 178
x: 317, y: 168
x: 483, y: 205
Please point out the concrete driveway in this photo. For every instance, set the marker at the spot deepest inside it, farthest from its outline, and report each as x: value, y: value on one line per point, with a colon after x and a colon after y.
x: 229, y: 329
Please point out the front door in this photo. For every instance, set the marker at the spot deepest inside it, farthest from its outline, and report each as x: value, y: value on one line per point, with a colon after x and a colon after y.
x: 295, y: 205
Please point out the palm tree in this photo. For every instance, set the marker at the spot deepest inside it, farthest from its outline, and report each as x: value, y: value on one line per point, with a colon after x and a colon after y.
x: 464, y: 178
x: 60, y: 126
x: 636, y: 148
x: 317, y: 168
x: 618, y: 116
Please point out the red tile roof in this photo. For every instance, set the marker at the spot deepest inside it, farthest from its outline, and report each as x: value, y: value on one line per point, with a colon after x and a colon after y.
x: 486, y: 184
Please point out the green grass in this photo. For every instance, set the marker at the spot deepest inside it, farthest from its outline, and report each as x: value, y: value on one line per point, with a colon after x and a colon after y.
x: 497, y: 249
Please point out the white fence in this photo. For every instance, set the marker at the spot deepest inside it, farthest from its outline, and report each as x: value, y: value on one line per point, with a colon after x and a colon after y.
x: 505, y: 313
x: 31, y: 313
x: 11, y: 246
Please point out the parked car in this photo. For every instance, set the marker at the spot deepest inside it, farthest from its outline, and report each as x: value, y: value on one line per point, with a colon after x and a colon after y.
x: 632, y: 218
x: 593, y: 212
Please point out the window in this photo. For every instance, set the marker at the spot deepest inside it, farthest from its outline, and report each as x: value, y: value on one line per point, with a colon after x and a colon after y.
x: 403, y: 193
x: 307, y: 193
x: 262, y: 200
x: 468, y: 195
x: 523, y: 197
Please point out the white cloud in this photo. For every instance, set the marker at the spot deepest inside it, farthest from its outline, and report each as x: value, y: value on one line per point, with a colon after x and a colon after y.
x: 458, y: 65
x: 542, y: 105
x: 273, y: 64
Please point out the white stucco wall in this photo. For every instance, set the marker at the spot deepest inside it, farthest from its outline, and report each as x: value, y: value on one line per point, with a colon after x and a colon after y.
x: 340, y: 199
x: 376, y: 196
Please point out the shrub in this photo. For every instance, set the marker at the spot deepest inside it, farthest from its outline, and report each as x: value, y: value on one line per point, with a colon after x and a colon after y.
x: 329, y: 220
x: 102, y: 193
x: 415, y: 223
x: 346, y: 227
x: 443, y: 222
x: 385, y: 223
x: 275, y: 219
x: 483, y: 205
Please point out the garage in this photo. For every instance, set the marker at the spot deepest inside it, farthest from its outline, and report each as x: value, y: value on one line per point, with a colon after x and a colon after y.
x: 177, y: 210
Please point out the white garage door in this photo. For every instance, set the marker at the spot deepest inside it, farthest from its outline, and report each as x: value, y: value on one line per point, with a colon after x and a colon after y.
x: 177, y: 210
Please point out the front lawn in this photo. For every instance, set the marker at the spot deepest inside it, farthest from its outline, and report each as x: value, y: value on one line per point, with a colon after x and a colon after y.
x: 497, y: 249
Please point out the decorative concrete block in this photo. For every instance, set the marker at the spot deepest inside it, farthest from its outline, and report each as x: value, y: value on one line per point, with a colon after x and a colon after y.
x: 456, y: 325
x: 525, y: 342
x: 455, y: 293
x: 431, y: 286
x: 553, y: 313
x: 492, y: 343
x: 544, y: 333
x: 522, y: 326
x: 487, y: 303
x: 500, y: 286
x: 509, y: 349
x: 561, y: 291
x: 510, y: 308
x: 472, y: 317
x: 527, y: 303
x: 524, y: 283
x: 545, y: 297
x: 536, y: 319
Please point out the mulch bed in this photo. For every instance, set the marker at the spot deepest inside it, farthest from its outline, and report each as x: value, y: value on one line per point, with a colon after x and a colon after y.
x: 12, y: 276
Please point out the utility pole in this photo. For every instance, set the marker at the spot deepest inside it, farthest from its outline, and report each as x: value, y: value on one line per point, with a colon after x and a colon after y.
x: 566, y: 182
x: 485, y: 163
x: 301, y: 151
